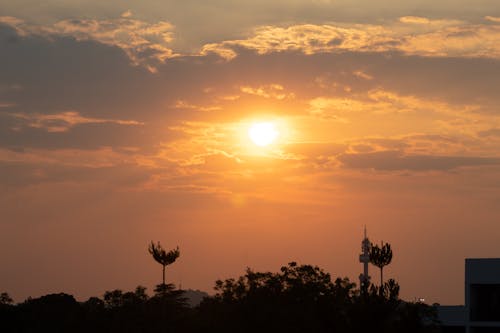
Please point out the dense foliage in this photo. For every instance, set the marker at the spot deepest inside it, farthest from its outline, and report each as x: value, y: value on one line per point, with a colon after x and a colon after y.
x: 299, y: 298
x: 304, y: 299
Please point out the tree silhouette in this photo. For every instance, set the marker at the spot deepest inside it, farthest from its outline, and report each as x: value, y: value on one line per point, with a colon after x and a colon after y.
x: 297, y: 298
x: 5, y: 299
x: 303, y: 298
x: 380, y: 257
x: 162, y: 257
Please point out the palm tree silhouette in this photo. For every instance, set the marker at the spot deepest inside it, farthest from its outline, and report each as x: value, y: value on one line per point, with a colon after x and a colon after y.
x: 380, y: 257
x: 162, y: 257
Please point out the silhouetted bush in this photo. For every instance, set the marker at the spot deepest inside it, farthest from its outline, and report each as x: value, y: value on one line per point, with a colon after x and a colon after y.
x: 304, y: 299
x: 54, y: 313
x: 298, y: 298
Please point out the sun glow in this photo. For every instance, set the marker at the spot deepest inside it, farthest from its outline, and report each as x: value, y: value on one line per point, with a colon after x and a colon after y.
x: 263, y: 134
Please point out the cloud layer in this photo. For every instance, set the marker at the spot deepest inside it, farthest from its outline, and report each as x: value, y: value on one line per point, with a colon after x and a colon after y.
x: 112, y: 130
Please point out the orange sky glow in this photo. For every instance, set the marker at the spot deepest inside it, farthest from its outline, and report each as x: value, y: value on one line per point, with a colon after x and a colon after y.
x: 121, y: 124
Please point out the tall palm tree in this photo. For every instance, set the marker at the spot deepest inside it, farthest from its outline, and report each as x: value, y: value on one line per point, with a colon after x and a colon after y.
x: 380, y: 257
x: 162, y: 257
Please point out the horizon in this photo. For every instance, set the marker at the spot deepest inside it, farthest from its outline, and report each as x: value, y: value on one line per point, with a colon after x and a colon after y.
x: 249, y: 134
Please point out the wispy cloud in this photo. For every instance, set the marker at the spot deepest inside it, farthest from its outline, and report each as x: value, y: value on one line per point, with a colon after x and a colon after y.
x: 183, y: 104
x: 492, y: 19
x: 275, y: 91
x: 362, y: 75
x: 396, y: 161
x: 380, y: 101
x: 414, y: 20
x: 64, y: 121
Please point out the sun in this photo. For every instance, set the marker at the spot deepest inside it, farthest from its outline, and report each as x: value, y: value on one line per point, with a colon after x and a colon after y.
x: 263, y: 134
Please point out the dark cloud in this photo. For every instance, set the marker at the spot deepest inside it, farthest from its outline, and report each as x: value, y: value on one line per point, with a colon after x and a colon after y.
x: 16, y: 134
x: 61, y: 73
x: 25, y: 174
x: 454, y: 80
x: 493, y: 132
x: 396, y: 161
x: 58, y: 74
x: 96, y: 79
x: 226, y: 19
x: 315, y: 149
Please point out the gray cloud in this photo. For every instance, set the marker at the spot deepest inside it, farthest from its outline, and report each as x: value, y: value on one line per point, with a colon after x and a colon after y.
x: 23, y: 174
x: 493, y: 132
x: 16, y: 134
x: 144, y: 43
x: 396, y: 161
x: 198, y: 22
x: 51, y: 76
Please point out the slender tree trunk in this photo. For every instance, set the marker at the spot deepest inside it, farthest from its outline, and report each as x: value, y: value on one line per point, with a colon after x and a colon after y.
x: 163, y: 274
x: 381, y: 276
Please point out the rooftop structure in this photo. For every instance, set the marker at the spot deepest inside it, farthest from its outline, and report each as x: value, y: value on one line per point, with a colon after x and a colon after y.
x: 481, y: 312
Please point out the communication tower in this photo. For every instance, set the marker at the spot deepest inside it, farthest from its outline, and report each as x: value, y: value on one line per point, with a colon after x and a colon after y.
x: 364, y: 258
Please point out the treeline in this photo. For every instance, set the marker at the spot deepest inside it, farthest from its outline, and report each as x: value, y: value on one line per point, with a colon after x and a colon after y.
x: 298, y: 298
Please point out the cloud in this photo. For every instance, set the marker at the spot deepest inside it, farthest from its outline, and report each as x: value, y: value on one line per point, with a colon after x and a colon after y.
x: 274, y: 90
x: 306, y: 38
x: 456, y: 144
x: 72, y: 131
x: 331, y: 108
x: 457, y: 41
x: 126, y: 14
x: 362, y: 75
x: 410, y: 35
x: 27, y: 174
x: 64, y: 121
x: 492, y: 19
x: 492, y: 132
x: 414, y: 20
x: 379, y: 101
x: 144, y: 43
x: 397, y: 161
x: 182, y: 104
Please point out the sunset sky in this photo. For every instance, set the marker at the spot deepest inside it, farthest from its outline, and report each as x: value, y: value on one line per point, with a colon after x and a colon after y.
x: 123, y: 122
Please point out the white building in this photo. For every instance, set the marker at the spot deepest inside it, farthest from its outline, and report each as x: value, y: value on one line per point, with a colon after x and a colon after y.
x: 481, y: 312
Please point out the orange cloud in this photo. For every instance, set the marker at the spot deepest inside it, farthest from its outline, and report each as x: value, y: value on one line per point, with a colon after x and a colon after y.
x: 411, y: 35
x: 396, y: 161
x: 62, y: 122
x: 307, y: 38
x: 150, y: 44
x: 182, y: 104
x: 275, y: 91
x: 379, y: 101
x: 362, y: 75
x: 492, y: 19
x: 99, y: 158
x: 414, y: 19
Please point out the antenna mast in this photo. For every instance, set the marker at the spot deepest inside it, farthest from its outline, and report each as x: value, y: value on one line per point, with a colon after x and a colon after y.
x: 364, y: 258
